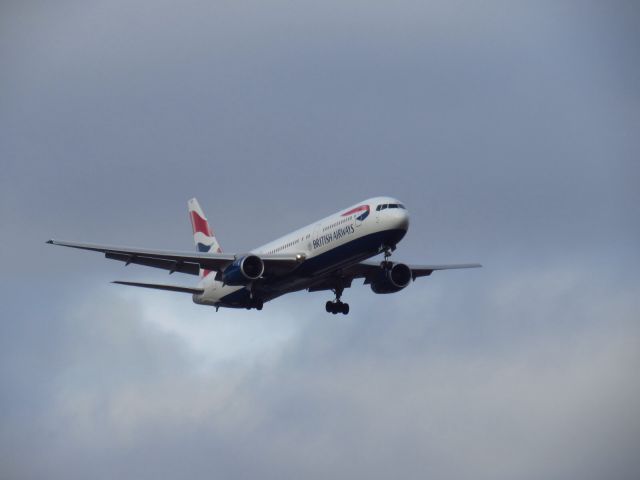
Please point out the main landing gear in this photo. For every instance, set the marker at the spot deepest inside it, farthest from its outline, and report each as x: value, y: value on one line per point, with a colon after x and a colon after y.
x: 257, y: 304
x: 337, y: 306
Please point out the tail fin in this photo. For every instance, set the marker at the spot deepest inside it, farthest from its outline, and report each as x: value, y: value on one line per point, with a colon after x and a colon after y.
x: 203, y: 236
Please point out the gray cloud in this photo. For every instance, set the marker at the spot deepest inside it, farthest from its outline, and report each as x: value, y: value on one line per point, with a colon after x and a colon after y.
x: 510, y: 131
x: 343, y: 400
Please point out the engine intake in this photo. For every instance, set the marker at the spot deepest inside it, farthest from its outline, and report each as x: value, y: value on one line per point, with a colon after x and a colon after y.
x: 391, y: 278
x: 243, y: 270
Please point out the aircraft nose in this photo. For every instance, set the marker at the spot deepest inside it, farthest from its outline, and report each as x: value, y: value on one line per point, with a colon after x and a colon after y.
x: 400, y: 219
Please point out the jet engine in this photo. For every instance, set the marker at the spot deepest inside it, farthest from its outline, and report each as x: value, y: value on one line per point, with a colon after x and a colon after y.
x: 391, y: 278
x: 243, y: 270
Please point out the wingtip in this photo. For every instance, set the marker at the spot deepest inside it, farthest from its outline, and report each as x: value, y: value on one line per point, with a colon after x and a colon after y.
x: 50, y: 242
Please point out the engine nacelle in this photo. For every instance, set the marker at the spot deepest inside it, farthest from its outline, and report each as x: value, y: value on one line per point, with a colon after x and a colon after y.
x: 392, y: 279
x: 243, y: 270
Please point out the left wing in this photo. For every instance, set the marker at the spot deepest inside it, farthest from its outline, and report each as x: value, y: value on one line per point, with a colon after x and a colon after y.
x: 184, y: 262
x: 161, y: 286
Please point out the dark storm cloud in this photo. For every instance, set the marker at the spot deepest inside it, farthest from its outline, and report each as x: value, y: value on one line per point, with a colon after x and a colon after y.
x: 511, y: 132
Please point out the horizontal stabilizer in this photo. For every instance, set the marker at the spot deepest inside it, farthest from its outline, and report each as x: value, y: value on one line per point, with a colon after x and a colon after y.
x: 157, y: 286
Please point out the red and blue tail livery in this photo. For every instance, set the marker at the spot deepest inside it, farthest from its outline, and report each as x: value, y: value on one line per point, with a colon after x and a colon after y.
x: 203, y: 236
x: 326, y: 255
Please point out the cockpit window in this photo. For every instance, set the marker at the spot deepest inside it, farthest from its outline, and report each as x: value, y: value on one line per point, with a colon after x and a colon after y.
x: 390, y: 205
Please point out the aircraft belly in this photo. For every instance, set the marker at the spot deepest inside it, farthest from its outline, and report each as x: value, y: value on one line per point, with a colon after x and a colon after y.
x: 322, y: 264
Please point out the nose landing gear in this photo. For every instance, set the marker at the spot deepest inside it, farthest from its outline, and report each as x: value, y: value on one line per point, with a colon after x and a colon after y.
x: 337, y: 306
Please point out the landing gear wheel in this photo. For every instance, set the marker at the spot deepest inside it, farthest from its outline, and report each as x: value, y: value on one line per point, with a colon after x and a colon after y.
x: 337, y: 306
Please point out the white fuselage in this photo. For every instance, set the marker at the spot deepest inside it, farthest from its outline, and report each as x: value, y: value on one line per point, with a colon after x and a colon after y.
x: 337, y: 241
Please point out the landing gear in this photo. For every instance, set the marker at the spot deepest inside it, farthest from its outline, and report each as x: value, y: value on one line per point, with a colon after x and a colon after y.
x: 386, y: 264
x: 337, y: 306
x: 257, y: 304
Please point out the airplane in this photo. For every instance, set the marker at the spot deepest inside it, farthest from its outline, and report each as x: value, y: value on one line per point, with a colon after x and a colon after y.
x: 327, y: 255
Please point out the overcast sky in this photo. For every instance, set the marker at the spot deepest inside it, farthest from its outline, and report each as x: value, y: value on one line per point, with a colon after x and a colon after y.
x: 511, y: 131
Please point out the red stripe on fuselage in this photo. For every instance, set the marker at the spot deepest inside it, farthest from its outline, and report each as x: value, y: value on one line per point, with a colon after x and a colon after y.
x: 199, y: 224
x: 361, y: 208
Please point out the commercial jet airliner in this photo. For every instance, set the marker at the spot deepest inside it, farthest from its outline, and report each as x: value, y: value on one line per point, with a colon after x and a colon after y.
x: 324, y: 256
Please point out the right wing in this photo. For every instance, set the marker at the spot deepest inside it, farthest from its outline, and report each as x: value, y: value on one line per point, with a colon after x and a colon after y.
x: 426, y: 270
x: 184, y: 262
x: 368, y: 270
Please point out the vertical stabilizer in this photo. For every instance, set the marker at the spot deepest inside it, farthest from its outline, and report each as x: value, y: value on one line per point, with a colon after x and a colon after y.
x: 203, y: 235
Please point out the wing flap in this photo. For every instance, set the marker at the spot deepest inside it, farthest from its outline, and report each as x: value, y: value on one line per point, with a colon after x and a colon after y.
x: 171, y: 265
